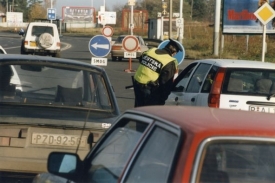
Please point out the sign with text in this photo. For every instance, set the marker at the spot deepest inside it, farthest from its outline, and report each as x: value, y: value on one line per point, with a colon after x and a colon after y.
x: 78, y: 14
x: 130, y: 54
x: 239, y: 18
x: 99, y: 61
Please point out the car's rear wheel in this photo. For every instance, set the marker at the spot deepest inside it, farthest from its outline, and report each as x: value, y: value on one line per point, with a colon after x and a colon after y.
x: 57, y: 54
x: 22, y: 50
x: 45, y: 40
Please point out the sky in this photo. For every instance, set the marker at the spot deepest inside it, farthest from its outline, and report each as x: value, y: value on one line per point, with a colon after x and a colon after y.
x: 109, y: 4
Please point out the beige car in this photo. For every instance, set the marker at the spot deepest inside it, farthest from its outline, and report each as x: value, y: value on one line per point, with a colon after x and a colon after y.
x: 117, y: 51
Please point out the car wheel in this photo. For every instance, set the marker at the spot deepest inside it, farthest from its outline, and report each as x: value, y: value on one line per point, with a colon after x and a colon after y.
x: 119, y: 58
x: 57, y: 54
x: 113, y: 58
x: 22, y: 50
x: 45, y: 40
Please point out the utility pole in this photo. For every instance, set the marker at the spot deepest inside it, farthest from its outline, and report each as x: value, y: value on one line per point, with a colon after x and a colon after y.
x: 217, y: 27
x: 170, y: 19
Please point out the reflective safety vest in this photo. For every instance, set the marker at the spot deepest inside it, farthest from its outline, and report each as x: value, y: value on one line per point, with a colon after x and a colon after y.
x: 151, y: 66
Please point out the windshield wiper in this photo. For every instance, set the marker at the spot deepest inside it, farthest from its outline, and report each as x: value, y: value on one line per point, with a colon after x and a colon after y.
x: 270, y: 96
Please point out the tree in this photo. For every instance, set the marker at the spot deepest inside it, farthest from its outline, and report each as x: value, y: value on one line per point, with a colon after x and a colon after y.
x: 37, y: 11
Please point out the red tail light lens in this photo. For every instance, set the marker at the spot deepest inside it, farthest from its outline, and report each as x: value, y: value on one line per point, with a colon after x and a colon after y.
x: 214, y: 95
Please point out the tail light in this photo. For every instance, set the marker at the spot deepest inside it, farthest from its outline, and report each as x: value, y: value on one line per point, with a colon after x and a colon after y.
x: 58, y: 44
x: 214, y: 95
x: 138, y: 49
x: 26, y: 42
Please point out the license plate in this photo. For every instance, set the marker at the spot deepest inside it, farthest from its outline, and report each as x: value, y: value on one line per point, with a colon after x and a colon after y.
x: 58, y: 140
x: 266, y: 109
x: 33, y: 44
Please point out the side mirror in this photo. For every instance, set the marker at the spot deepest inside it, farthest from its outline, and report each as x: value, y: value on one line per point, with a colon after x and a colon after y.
x: 67, y: 165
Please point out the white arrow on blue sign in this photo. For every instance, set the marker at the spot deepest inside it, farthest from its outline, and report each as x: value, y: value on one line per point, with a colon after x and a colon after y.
x: 51, y: 13
x: 99, y: 46
x: 179, y: 56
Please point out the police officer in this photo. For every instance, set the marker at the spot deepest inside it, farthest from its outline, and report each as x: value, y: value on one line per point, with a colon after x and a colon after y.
x: 154, y: 77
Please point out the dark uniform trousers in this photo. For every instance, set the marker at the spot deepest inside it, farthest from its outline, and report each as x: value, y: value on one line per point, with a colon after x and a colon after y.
x: 146, y: 94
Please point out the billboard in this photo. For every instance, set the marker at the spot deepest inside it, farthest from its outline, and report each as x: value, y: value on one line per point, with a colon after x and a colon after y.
x: 106, y: 17
x: 78, y: 14
x: 14, y: 19
x: 239, y: 18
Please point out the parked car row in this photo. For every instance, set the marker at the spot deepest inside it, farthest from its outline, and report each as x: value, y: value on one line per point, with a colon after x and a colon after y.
x: 60, y: 119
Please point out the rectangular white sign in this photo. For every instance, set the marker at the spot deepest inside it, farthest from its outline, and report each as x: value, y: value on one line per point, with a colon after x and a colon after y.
x: 99, y: 61
x: 107, y: 17
x: 130, y: 54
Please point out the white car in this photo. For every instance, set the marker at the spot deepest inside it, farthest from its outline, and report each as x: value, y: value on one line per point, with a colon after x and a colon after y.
x: 41, y: 38
x: 225, y: 83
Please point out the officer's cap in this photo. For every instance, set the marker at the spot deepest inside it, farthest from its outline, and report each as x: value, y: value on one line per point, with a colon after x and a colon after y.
x: 176, y: 44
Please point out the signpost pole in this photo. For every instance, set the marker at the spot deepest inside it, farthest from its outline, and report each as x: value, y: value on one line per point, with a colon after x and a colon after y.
x: 264, y: 43
x: 51, y: 8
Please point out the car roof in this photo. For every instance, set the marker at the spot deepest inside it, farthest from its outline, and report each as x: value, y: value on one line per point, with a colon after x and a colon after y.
x: 17, y: 57
x: 238, y: 63
x: 212, y: 121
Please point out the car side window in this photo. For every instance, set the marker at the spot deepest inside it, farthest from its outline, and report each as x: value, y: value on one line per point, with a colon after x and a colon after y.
x: 180, y: 82
x: 238, y: 161
x: 197, y: 78
x: 154, y: 162
x: 109, y: 160
x: 209, y: 79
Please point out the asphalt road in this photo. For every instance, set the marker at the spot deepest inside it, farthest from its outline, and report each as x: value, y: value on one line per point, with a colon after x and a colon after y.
x: 76, y: 48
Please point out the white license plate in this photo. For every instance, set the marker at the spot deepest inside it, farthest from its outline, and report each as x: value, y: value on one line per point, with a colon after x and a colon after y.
x: 58, y: 140
x: 33, y: 44
x: 266, y: 109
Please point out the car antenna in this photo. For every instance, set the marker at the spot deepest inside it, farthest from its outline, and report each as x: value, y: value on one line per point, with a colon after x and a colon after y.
x: 82, y: 131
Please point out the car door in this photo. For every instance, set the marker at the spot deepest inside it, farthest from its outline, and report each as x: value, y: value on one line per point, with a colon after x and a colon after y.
x: 193, y: 95
x: 180, y: 84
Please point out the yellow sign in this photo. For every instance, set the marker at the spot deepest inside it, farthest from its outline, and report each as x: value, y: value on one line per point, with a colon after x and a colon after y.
x: 265, y: 13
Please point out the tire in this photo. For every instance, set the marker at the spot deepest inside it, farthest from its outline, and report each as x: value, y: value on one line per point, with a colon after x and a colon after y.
x: 57, y: 54
x: 45, y: 40
x: 22, y: 50
x: 113, y: 58
x: 119, y: 58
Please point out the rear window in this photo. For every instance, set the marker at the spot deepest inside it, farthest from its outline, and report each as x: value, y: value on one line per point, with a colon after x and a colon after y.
x: 249, y: 81
x: 38, y: 30
x: 238, y: 161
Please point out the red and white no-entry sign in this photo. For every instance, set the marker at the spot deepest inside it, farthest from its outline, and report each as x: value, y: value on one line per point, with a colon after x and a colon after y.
x: 107, y: 31
x: 130, y: 43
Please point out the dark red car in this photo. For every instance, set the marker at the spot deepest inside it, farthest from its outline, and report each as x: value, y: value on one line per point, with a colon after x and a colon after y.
x: 176, y: 144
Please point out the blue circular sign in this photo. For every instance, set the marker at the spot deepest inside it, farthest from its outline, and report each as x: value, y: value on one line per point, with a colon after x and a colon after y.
x: 99, y: 46
x: 179, y: 56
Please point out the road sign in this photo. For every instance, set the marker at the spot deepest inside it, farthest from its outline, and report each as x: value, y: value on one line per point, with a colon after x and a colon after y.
x: 179, y: 56
x: 265, y: 13
x: 107, y: 31
x: 99, y: 46
x: 179, y: 22
x: 130, y: 54
x: 130, y: 43
x: 51, y: 13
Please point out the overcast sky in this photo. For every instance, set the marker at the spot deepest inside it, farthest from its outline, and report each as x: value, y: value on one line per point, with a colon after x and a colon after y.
x: 96, y: 4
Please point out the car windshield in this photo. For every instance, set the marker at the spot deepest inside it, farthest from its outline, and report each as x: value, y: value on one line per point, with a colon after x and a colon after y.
x: 54, y: 86
x: 249, y: 81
